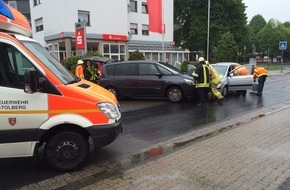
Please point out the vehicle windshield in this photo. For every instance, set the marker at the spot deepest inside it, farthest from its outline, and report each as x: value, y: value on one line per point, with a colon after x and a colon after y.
x: 51, y: 63
x: 220, y: 69
x: 173, y: 69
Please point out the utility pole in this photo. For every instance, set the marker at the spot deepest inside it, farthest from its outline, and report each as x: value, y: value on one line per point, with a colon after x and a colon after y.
x: 208, y: 20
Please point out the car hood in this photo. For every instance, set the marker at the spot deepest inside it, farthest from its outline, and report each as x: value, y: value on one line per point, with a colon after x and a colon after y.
x: 186, y: 76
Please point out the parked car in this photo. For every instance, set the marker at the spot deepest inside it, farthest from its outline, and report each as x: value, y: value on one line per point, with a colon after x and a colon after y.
x: 146, y: 79
x: 230, y: 81
x: 99, y: 62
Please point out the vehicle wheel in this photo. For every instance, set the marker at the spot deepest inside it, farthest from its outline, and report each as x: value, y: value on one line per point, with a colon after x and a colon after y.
x: 113, y: 90
x: 66, y: 151
x: 225, y: 91
x: 174, y: 94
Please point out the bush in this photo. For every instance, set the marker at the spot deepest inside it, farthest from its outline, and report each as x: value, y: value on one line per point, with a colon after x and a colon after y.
x: 184, y: 66
x: 136, y: 55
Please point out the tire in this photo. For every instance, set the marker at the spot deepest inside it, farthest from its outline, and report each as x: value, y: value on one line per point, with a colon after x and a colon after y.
x: 113, y: 90
x: 174, y: 94
x: 66, y: 151
x: 225, y: 91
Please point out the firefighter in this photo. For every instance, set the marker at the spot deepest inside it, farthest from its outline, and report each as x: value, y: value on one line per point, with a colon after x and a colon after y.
x: 79, y: 72
x: 214, y: 81
x: 201, y: 77
x: 241, y: 70
x: 261, y: 73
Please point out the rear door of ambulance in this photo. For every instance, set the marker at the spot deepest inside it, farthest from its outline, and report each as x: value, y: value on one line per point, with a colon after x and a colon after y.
x: 21, y: 113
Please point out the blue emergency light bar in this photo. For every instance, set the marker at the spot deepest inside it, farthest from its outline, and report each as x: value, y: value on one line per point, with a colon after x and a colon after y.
x: 5, y: 11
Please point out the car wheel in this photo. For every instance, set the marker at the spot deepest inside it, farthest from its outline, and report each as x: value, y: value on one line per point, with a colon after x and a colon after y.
x: 113, y: 90
x: 174, y: 94
x: 225, y: 91
x: 66, y: 151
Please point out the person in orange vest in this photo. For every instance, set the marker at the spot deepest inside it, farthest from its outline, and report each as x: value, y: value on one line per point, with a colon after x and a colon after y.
x: 241, y: 70
x: 261, y: 73
x: 79, y: 72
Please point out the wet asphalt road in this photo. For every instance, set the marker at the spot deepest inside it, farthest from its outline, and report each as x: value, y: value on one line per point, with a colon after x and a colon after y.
x: 150, y: 121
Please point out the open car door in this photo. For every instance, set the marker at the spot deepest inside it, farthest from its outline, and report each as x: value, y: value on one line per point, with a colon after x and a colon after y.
x: 241, y: 77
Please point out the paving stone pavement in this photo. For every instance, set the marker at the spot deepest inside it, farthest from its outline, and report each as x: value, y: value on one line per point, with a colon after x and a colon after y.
x: 255, y: 155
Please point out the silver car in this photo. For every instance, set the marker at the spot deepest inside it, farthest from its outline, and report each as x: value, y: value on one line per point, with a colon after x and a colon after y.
x: 231, y: 80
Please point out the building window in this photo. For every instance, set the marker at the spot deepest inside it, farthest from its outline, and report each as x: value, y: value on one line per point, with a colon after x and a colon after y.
x: 144, y: 8
x: 145, y: 30
x: 115, y: 51
x: 84, y: 16
x: 13, y: 4
x: 39, y: 25
x: 133, y: 5
x: 134, y: 28
x: 36, y: 2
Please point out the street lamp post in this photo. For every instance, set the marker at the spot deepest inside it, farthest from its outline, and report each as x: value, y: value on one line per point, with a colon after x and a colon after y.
x: 208, y: 19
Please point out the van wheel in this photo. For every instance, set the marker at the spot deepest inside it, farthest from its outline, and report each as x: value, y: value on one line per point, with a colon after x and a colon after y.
x: 66, y: 151
x: 243, y: 92
x: 113, y: 90
x: 174, y: 94
x: 225, y: 91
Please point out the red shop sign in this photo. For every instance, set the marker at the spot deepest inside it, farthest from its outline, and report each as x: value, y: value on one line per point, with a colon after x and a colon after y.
x: 114, y: 37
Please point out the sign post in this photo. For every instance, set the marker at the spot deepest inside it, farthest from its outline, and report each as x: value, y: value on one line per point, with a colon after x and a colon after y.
x: 81, y: 38
x: 282, y: 46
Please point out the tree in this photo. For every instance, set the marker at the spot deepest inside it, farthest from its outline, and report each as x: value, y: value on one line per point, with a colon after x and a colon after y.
x: 227, y: 48
x: 191, y: 21
x: 269, y: 37
x: 257, y: 23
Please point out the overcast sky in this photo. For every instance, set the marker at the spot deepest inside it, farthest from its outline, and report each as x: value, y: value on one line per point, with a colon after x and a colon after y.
x: 277, y: 9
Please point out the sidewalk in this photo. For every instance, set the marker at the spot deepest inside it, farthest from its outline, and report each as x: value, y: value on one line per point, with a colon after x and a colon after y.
x: 252, y: 155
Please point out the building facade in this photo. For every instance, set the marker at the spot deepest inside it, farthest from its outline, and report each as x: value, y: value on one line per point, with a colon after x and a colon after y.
x: 113, y: 27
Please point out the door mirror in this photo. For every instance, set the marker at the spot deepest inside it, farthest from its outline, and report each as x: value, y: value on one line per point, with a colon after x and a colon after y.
x: 30, y: 81
x: 159, y: 75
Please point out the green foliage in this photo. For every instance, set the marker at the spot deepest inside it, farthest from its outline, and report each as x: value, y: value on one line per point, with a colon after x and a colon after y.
x: 257, y: 23
x: 184, y: 66
x: 227, y: 48
x: 136, y: 55
x: 71, y: 62
x: 269, y: 37
x: 191, y: 21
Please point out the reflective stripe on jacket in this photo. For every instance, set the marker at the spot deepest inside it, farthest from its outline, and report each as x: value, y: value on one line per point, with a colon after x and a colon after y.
x: 259, y: 71
x: 201, y: 76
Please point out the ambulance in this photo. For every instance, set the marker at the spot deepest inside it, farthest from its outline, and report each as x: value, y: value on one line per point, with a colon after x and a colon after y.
x: 45, y: 107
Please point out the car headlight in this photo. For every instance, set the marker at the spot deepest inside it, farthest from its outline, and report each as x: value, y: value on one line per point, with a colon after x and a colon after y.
x: 109, y: 110
x: 188, y: 81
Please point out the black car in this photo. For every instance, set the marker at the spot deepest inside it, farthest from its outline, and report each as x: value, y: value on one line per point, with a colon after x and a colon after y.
x: 146, y: 79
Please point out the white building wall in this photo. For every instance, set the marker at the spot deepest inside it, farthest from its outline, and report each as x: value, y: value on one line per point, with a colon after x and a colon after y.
x: 106, y: 16
x: 141, y: 18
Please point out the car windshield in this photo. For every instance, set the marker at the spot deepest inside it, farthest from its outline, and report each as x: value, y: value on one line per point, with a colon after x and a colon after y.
x: 173, y: 69
x: 51, y: 63
x: 220, y: 69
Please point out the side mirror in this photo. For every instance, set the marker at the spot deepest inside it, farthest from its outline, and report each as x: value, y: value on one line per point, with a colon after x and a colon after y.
x: 159, y: 75
x: 30, y: 81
